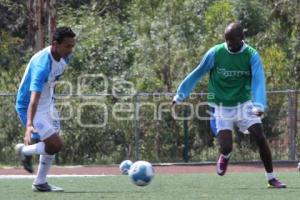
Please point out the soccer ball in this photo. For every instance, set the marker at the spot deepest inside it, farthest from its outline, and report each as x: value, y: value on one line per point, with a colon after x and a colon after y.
x: 125, y: 166
x: 141, y: 173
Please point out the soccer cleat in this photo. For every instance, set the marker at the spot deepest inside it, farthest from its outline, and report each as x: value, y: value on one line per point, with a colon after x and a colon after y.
x: 222, y: 165
x: 45, y: 187
x: 25, y: 160
x: 275, y: 183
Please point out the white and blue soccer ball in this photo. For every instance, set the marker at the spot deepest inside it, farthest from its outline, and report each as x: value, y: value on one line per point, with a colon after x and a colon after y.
x: 141, y: 173
x: 125, y: 166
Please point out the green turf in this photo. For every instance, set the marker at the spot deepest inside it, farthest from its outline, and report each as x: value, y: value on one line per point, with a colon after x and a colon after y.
x: 233, y: 186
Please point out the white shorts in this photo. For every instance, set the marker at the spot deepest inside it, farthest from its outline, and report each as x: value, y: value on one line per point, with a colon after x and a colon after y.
x: 242, y: 116
x: 47, y: 123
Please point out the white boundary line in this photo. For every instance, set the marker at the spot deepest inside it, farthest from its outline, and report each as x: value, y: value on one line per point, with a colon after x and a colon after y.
x: 51, y: 176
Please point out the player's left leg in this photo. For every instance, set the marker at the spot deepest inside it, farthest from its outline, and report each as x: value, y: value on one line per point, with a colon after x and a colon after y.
x: 264, y: 150
x: 53, y: 145
x: 265, y: 154
x: 250, y: 122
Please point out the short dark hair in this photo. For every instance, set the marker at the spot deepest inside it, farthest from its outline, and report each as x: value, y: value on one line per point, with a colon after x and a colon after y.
x: 61, y: 33
x: 236, y: 29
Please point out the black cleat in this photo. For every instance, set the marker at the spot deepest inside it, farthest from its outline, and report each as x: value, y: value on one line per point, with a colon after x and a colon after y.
x: 25, y: 160
x: 275, y: 183
x: 45, y: 187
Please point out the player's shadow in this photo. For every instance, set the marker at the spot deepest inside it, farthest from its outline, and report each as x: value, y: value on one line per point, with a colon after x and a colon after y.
x: 99, y: 192
x: 291, y: 188
x: 81, y: 192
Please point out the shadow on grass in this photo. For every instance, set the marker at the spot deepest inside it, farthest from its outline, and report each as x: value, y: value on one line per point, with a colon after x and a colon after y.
x: 265, y: 188
x: 100, y: 192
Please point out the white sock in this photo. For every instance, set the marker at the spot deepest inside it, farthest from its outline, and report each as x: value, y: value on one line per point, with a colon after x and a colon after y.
x: 43, y: 169
x: 226, y: 156
x: 270, y: 176
x: 38, y: 148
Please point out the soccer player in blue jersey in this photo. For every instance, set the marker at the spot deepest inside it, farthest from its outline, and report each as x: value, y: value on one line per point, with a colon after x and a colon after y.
x: 237, y: 95
x: 36, y: 109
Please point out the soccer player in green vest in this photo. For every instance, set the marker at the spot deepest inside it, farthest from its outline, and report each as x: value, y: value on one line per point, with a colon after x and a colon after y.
x: 236, y: 93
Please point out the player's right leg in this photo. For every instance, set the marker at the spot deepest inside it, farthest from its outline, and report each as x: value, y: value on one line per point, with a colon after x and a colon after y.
x: 46, y: 147
x: 48, y: 127
x: 224, y: 120
x: 26, y: 160
x: 225, y: 142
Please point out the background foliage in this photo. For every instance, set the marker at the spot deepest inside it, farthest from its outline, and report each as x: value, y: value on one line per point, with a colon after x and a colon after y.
x: 154, y: 45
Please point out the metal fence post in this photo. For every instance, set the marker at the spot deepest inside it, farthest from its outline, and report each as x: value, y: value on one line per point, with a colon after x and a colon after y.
x: 136, y: 125
x: 186, y: 137
x: 292, y: 123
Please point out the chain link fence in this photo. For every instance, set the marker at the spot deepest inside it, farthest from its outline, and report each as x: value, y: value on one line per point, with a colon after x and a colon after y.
x: 106, y: 129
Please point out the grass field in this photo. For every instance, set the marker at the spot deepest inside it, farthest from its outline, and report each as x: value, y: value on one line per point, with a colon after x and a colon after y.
x: 233, y: 186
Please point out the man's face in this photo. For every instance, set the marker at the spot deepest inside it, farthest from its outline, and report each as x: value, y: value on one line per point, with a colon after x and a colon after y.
x: 234, y: 43
x: 65, y: 48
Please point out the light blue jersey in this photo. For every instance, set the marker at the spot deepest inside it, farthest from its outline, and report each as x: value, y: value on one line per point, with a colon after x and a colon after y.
x: 40, y: 76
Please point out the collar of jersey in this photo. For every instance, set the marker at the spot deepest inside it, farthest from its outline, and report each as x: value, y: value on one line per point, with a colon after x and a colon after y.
x: 53, y: 60
x: 240, y: 51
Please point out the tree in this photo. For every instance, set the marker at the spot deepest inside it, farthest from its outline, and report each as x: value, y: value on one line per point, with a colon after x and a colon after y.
x: 42, y: 22
x: 253, y: 15
x: 13, y: 17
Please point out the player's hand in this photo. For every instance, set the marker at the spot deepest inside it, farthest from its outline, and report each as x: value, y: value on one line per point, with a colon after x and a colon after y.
x: 28, y: 132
